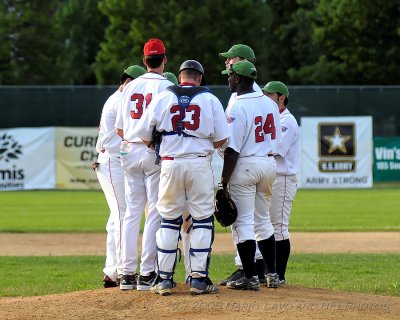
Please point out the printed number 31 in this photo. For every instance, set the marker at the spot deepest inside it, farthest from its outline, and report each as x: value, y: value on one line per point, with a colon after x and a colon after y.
x: 268, y: 127
x: 137, y: 109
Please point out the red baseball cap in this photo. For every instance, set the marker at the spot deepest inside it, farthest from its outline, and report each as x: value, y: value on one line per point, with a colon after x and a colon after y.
x: 153, y: 47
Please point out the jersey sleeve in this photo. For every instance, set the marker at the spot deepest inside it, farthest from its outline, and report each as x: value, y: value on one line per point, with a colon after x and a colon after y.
x: 288, y: 130
x: 237, y: 128
x: 119, y: 123
x: 220, y: 124
x: 277, y: 123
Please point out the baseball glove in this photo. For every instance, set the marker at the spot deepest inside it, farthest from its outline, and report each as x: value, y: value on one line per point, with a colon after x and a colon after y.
x: 225, y: 208
x: 155, y: 142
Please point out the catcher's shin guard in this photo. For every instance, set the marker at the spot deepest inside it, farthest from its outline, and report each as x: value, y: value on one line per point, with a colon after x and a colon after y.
x: 201, y: 239
x: 167, y: 237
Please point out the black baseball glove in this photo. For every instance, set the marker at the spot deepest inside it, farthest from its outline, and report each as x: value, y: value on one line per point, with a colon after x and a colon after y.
x: 155, y: 143
x: 225, y: 208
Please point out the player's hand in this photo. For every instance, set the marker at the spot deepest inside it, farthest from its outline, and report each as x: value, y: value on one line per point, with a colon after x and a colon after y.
x: 224, y: 188
x: 95, y: 165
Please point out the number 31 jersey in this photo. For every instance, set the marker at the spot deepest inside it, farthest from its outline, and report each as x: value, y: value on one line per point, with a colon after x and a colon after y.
x: 136, y: 96
x: 254, y: 125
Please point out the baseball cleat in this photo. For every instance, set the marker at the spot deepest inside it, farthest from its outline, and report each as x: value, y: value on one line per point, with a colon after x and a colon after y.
x: 163, y: 287
x: 261, y: 269
x: 244, y: 284
x: 128, y: 282
x: 144, y: 283
x: 234, y: 276
x: 272, y: 280
x: 262, y: 278
x: 202, y: 286
x: 109, y: 283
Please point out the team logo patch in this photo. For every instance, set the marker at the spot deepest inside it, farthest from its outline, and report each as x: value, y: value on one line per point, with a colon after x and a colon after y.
x: 184, y: 101
x: 230, y: 119
x: 336, y: 141
x: 9, y: 148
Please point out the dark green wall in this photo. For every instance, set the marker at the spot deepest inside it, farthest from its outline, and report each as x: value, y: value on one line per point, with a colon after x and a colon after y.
x: 37, y: 106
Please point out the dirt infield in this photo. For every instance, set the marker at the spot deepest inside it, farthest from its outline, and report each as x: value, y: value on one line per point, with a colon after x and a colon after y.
x: 66, y: 244
x: 287, y: 302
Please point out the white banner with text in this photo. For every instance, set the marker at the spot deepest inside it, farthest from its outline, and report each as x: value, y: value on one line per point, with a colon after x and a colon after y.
x: 27, y: 158
x: 336, y: 152
x: 76, y: 151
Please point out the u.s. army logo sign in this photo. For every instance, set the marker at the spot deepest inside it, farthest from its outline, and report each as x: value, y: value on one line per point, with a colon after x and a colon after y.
x: 336, y: 141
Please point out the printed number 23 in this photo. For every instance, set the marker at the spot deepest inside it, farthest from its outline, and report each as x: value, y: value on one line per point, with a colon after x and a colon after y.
x: 263, y: 128
x: 137, y: 109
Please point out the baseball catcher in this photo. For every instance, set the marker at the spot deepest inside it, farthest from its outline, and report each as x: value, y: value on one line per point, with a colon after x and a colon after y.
x: 225, y: 208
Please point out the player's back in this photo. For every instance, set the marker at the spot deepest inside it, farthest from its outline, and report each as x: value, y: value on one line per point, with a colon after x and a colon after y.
x: 137, y: 95
x: 255, y: 124
x: 203, y: 122
x: 108, y: 141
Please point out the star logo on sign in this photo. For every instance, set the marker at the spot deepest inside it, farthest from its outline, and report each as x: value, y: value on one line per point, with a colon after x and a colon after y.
x: 337, y: 141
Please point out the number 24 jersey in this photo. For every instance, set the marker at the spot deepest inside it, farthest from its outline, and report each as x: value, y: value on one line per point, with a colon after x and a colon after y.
x: 254, y: 125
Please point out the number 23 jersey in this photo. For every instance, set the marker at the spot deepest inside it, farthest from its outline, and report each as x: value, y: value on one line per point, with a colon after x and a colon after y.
x: 254, y: 125
x: 203, y: 123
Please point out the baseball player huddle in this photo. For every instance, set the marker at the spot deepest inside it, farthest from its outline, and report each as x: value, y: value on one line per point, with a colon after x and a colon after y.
x: 156, y: 140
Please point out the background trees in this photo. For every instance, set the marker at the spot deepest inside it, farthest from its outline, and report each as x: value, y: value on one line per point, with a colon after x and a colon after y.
x: 299, y: 42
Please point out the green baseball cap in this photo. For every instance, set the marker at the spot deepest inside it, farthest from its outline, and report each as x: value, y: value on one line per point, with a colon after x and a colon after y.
x: 171, y: 77
x: 240, y: 50
x: 242, y: 68
x: 135, y: 71
x: 276, y: 87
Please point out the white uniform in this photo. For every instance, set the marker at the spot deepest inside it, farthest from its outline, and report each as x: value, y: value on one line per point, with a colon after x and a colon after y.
x: 186, y: 175
x: 233, y: 97
x: 111, y: 179
x: 254, y: 134
x: 141, y: 176
x: 285, y: 185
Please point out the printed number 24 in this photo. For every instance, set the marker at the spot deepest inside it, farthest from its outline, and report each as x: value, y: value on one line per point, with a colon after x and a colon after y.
x: 263, y: 128
x: 138, y: 99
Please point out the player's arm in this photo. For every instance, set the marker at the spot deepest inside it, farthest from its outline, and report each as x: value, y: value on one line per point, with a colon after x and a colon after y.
x: 144, y: 127
x: 288, y: 135
x: 230, y: 159
x: 221, y: 131
x: 219, y: 143
x: 120, y: 132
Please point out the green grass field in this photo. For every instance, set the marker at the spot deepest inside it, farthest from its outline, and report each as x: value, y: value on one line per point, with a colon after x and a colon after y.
x: 347, y: 272
x: 314, y: 210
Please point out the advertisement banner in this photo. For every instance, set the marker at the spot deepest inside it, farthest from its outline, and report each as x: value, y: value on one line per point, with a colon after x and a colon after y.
x: 76, y: 151
x: 27, y: 158
x: 336, y: 152
x: 387, y: 159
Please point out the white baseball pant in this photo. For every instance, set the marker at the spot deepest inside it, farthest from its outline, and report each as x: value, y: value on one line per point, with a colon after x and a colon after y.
x: 283, y: 193
x: 251, y: 190
x: 186, y: 183
x: 111, y: 178
x: 141, y: 185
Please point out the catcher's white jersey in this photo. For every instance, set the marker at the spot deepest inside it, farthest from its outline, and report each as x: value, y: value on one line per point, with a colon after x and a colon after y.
x: 287, y: 159
x: 233, y: 97
x: 204, y: 120
x: 136, y: 96
x: 108, y: 142
x: 254, y: 124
